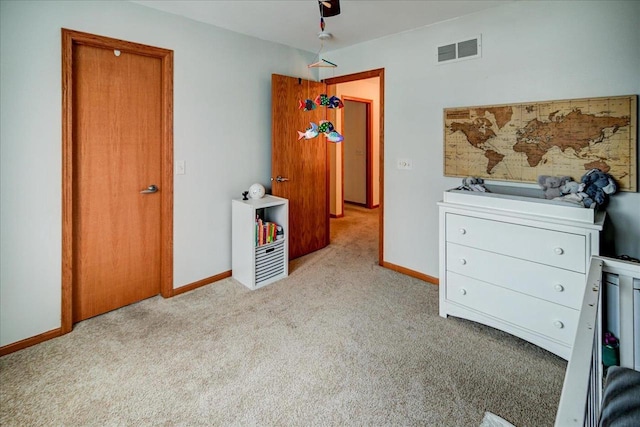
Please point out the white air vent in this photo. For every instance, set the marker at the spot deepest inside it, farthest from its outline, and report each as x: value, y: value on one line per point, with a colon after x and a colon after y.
x: 458, y: 51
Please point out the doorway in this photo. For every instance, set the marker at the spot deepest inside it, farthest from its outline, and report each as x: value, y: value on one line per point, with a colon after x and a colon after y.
x: 357, y: 127
x: 117, y: 206
x: 341, y: 85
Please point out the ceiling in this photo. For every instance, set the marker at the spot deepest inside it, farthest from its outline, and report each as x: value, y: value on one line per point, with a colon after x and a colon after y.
x: 296, y: 23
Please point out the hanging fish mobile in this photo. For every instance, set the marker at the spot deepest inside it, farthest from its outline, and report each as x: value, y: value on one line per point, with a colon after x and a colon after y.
x: 325, y: 127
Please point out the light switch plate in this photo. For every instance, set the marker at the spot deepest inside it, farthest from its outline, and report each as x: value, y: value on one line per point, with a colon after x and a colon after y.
x: 180, y: 167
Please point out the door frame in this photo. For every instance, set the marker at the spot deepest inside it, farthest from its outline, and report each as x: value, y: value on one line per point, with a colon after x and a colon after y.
x: 362, y: 76
x: 368, y: 150
x: 69, y: 39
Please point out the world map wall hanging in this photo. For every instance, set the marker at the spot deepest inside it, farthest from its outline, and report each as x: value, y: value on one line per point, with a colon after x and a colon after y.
x: 518, y: 142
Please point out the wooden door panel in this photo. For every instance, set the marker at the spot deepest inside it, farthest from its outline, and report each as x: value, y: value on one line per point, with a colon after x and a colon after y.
x: 304, y: 162
x: 117, y: 127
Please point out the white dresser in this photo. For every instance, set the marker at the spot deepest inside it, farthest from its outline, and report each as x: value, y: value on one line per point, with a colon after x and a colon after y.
x: 516, y: 263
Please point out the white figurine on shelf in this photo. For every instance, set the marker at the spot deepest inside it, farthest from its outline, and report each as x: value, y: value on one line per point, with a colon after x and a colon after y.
x: 256, y: 191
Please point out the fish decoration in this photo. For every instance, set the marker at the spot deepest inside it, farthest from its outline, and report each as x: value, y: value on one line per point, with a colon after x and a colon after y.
x: 335, y: 102
x: 334, y: 136
x: 306, y: 105
x: 322, y: 100
x: 311, y: 132
x: 325, y: 126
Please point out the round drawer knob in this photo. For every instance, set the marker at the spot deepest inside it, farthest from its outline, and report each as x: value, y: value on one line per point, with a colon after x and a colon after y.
x: 559, y: 251
x: 463, y: 231
x: 558, y: 287
x: 463, y: 261
x: 558, y: 324
x: 463, y: 291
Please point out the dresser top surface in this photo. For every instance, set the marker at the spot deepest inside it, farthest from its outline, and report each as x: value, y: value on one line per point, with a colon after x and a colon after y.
x: 524, y: 204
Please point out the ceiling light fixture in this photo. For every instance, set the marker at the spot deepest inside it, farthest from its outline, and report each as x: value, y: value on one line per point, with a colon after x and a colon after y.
x: 323, y: 35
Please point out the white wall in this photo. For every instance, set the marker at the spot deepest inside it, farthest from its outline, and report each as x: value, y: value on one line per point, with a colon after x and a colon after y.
x: 531, y: 51
x: 222, y: 129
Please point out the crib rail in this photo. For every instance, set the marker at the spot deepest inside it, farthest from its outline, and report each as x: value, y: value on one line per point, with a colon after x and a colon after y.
x: 582, y: 388
x: 581, y: 396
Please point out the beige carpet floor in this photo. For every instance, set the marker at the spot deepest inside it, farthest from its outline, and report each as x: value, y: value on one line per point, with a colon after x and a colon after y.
x: 341, y: 341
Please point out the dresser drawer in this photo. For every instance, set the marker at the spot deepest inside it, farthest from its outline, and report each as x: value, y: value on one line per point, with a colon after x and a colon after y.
x: 556, y: 248
x: 549, y: 283
x: 542, y: 317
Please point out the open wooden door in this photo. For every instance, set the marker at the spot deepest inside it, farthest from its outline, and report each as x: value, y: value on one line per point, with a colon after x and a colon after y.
x: 299, y: 168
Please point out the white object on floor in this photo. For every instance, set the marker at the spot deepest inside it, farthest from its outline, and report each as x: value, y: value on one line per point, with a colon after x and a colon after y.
x: 492, y: 420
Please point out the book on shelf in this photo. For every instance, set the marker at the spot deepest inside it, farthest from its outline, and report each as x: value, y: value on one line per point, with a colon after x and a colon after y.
x: 267, y: 232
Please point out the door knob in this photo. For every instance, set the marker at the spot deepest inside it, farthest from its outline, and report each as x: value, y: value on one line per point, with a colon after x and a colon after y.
x: 150, y: 189
x: 280, y: 179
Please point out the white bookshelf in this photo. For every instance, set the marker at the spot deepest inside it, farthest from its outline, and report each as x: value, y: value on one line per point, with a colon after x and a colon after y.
x: 257, y: 266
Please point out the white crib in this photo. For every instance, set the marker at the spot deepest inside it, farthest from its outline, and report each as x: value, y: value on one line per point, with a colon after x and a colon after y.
x: 580, y: 402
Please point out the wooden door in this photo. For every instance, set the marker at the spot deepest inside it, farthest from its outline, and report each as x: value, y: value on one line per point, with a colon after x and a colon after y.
x: 304, y: 163
x: 119, y: 149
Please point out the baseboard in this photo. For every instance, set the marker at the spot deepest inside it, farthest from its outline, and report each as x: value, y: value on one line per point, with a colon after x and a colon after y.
x: 28, y: 342
x: 336, y: 216
x: 412, y: 273
x: 200, y: 283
